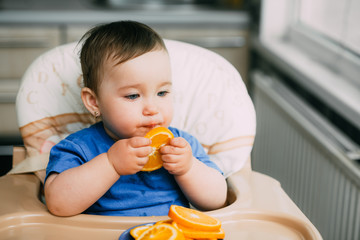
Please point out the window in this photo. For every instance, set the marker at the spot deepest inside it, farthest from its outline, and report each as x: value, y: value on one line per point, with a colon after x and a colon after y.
x: 336, y: 20
x: 329, y: 30
x: 317, y: 43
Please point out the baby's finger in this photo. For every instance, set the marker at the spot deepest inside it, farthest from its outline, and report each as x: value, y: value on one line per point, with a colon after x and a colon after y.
x: 167, y: 149
x: 171, y: 158
x: 178, y: 142
x: 144, y: 151
x: 136, y: 142
x: 170, y: 165
x: 141, y: 161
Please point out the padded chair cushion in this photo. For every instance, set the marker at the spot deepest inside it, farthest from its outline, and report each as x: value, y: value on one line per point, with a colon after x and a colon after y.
x: 211, y: 102
x: 48, y: 104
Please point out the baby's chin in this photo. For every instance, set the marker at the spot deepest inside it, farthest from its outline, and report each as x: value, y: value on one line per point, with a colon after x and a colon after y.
x: 139, y: 133
x: 142, y: 130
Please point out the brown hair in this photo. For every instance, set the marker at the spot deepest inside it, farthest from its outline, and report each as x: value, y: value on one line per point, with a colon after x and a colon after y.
x: 121, y: 41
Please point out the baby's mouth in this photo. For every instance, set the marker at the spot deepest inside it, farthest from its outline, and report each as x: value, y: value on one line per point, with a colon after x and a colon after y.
x: 151, y: 125
x: 147, y: 127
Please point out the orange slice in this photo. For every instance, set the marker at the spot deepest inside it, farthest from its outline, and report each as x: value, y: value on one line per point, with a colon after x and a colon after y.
x: 168, y: 221
x: 159, y: 136
x: 137, y: 231
x: 161, y: 231
x: 194, y: 219
x: 200, y: 234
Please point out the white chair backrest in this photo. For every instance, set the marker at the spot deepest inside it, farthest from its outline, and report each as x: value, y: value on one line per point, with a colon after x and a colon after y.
x: 211, y: 102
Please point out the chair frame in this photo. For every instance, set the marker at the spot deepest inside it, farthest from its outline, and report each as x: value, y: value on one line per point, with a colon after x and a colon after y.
x: 257, y: 206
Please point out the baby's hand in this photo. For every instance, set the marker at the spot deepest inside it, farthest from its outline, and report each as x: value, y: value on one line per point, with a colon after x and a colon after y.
x: 128, y: 156
x: 177, y: 156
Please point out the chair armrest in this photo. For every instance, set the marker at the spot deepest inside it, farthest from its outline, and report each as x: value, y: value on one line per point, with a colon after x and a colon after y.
x: 19, y: 154
x: 255, y: 197
x: 21, y: 194
x: 255, y: 190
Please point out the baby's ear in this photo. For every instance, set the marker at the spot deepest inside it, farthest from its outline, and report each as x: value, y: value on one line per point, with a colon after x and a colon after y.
x: 90, y: 101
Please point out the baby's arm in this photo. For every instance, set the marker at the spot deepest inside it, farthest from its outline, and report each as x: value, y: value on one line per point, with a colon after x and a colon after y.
x: 74, y: 190
x: 204, y: 186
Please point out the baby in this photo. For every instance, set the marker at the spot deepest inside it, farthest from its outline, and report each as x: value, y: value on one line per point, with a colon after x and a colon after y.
x: 128, y: 88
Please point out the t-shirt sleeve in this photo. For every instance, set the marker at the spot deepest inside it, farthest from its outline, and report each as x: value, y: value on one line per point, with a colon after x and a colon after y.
x: 199, y: 153
x: 64, y: 155
x: 197, y: 149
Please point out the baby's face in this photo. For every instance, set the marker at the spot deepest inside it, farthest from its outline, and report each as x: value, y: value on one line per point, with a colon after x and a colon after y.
x: 135, y: 96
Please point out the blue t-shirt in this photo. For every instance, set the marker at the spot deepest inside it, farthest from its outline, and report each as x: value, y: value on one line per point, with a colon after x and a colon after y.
x: 140, y: 194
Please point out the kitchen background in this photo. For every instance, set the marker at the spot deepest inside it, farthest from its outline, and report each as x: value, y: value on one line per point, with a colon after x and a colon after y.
x: 29, y: 28
x: 300, y: 60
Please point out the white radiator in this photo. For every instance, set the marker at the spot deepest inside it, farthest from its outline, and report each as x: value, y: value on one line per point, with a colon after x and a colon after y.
x: 317, y: 166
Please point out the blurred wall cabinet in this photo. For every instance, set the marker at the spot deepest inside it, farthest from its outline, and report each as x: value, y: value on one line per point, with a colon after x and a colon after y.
x: 20, y: 45
x: 231, y: 43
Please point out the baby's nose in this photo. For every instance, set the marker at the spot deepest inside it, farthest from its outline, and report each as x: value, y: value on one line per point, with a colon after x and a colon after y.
x: 150, y: 109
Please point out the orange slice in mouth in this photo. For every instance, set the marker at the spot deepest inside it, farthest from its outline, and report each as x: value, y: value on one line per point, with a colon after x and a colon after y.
x: 160, y: 136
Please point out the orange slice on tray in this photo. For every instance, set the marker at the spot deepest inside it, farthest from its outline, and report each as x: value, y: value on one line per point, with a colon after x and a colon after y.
x: 137, y: 231
x: 161, y: 231
x: 194, y: 219
x: 160, y: 136
x: 193, y: 233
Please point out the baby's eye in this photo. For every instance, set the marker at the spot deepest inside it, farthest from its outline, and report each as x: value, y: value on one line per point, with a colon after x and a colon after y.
x: 162, y: 93
x: 132, y: 96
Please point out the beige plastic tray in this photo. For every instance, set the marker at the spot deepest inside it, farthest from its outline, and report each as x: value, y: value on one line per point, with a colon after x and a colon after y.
x: 250, y: 225
x: 258, y: 209
x: 262, y: 225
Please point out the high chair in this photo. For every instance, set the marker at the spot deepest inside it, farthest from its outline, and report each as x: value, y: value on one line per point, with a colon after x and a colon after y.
x: 211, y: 102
